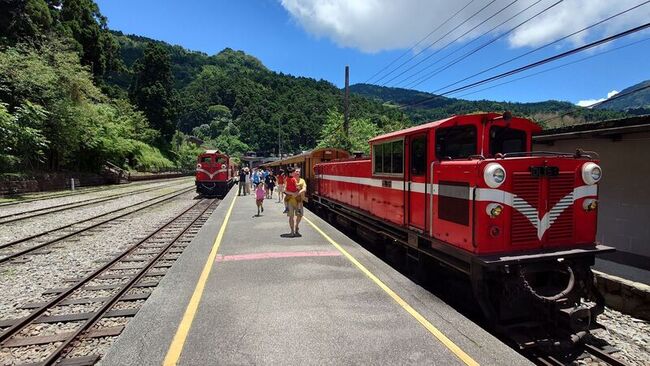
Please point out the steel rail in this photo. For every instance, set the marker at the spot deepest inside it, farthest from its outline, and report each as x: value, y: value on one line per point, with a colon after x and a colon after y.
x: 24, y: 322
x: 49, y: 242
x: 107, y: 306
x: 71, y: 205
x: 76, y: 193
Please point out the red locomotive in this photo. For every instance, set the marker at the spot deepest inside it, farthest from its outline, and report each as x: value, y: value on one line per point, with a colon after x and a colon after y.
x: 469, y: 192
x: 214, y: 173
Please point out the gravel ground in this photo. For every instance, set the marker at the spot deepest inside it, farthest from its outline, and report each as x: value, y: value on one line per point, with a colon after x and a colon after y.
x: 630, y: 335
x: 28, y: 206
x: 24, y: 228
x: 31, y: 354
x: 24, y: 282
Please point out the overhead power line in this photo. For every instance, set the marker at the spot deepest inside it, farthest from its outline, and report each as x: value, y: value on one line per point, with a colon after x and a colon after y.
x: 418, y: 42
x: 463, y: 57
x: 537, y: 63
x: 608, y: 100
x: 541, y: 47
x: 448, y: 44
x: 553, y: 68
x: 435, y: 42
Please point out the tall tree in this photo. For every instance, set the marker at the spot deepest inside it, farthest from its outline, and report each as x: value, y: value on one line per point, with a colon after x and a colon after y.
x: 152, y: 89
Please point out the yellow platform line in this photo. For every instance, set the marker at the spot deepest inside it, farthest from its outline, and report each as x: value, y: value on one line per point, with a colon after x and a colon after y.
x: 433, y: 330
x: 176, y: 347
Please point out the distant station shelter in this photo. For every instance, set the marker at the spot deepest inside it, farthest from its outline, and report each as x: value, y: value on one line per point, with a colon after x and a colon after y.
x: 624, y: 198
x: 251, y: 160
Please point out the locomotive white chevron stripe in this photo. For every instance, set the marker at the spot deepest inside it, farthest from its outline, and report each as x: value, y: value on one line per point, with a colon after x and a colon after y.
x: 490, y: 195
x: 208, y: 173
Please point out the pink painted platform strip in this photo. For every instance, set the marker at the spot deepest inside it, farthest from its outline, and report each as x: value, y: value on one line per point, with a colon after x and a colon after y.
x: 275, y: 255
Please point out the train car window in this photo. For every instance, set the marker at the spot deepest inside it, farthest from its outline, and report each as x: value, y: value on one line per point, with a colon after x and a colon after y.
x: 206, y: 159
x: 456, y: 142
x: 397, y: 157
x: 377, y: 155
x: 388, y: 149
x: 506, y: 140
x: 419, y: 155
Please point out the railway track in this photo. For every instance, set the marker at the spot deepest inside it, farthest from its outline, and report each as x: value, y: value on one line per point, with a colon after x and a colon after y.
x: 70, y: 194
x: 18, y: 216
x: 33, y: 243
x: 140, y: 266
x: 598, y: 355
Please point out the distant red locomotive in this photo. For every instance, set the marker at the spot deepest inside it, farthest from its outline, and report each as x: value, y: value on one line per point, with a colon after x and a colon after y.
x: 469, y: 192
x: 214, y: 173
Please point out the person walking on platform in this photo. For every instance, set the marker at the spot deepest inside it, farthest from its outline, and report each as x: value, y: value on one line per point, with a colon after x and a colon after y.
x: 294, y: 193
x: 242, y: 182
x: 259, y: 197
x: 270, y: 184
x: 247, y: 183
x: 281, y: 179
x: 255, y: 178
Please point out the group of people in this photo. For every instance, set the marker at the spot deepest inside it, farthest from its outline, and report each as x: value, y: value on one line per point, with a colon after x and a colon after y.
x: 291, y: 190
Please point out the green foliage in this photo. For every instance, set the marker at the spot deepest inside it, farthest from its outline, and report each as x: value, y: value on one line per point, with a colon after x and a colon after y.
x: 361, y: 130
x: 147, y: 158
x: 152, y: 92
x: 185, y: 152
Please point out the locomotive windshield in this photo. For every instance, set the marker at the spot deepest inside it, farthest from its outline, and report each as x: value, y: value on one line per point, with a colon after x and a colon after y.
x: 206, y: 159
x: 506, y: 140
x: 456, y: 142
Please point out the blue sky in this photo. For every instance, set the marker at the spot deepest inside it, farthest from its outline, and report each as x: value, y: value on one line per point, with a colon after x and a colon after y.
x: 316, y: 38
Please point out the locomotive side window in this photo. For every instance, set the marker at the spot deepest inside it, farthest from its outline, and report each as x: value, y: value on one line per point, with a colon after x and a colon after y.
x: 206, y: 159
x: 377, y: 156
x: 419, y: 155
x: 506, y: 140
x: 388, y: 158
x: 456, y: 142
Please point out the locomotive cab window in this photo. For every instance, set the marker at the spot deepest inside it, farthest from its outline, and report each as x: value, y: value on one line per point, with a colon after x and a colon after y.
x: 456, y: 142
x: 506, y: 140
x: 206, y: 159
x: 221, y: 160
x: 388, y: 158
x: 419, y: 155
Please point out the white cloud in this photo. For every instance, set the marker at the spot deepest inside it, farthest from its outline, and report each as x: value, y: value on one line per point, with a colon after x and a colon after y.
x: 375, y: 25
x: 588, y: 102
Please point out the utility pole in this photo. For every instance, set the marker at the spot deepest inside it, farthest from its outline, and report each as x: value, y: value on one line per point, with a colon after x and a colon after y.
x: 279, y: 140
x: 346, y: 102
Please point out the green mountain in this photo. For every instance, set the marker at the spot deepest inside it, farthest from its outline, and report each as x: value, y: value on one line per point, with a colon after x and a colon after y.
x: 437, y: 107
x: 637, y: 103
x: 235, y: 91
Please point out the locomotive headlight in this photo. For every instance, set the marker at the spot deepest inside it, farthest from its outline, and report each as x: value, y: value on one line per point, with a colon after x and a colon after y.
x: 494, y: 175
x: 591, y: 173
x: 198, y: 166
x: 494, y: 209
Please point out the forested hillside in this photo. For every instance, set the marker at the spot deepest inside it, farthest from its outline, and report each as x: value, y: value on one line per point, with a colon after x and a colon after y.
x: 635, y: 103
x: 437, y: 107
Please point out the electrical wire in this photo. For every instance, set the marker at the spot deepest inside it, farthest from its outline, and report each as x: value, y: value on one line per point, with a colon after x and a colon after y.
x: 463, y: 57
x: 615, y: 97
x: 553, y: 68
x: 541, y: 47
x: 436, y: 41
x: 448, y: 44
x: 537, y: 63
x: 418, y: 42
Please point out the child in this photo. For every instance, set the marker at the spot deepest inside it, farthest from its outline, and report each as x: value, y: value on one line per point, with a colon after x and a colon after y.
x: 259, y: 197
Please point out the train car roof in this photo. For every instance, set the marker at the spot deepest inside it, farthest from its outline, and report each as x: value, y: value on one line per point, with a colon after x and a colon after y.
x: 520, y: 123
x: 213, y: 152
x: 294, y: 158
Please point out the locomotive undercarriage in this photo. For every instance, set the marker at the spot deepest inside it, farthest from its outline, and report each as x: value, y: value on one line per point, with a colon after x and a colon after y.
x: 546, y: 302
x: 212, y: 189
x: 549, y: 305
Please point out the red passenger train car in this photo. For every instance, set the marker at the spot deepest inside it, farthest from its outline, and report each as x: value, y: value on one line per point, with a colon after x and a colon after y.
x: 469, y: 192
x: 214, y: 173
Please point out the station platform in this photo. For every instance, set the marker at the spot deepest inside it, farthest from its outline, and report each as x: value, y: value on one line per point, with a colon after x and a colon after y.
x: 243, y: 292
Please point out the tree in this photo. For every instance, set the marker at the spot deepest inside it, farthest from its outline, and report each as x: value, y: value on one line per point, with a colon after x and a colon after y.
x: 361, y: 130
x: 151, y: 90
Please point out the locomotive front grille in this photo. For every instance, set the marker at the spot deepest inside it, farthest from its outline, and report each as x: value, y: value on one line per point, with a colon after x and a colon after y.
x: 526, y: 189
x: 556, y: 201
x: 561, y: 214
